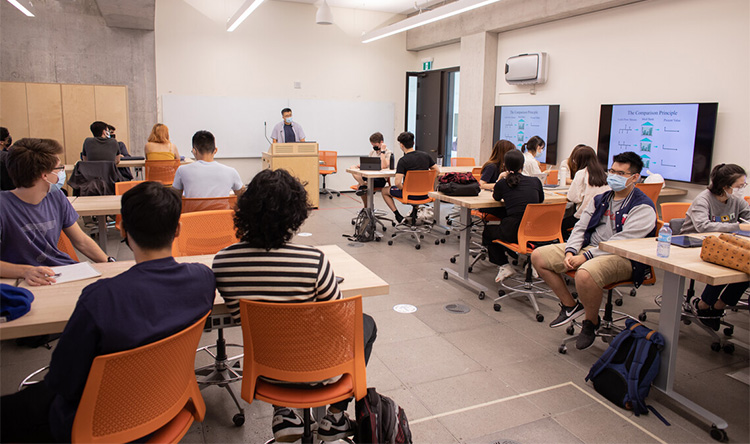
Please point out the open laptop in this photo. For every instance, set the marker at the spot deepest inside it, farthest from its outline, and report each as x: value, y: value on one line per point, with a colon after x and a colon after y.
x: 369, y: 163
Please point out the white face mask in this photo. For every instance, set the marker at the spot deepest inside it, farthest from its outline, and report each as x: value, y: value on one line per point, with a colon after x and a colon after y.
x: 738, y: 192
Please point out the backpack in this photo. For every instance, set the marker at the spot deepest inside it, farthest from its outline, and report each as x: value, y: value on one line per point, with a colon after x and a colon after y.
x: 624, y: 373
x: 364, y: 228
x: 380, y: 420
x: 461, y: 178
x: 459, y: 189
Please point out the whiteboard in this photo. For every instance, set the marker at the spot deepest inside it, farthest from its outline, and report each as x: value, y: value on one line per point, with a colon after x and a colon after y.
x: 238, y: 123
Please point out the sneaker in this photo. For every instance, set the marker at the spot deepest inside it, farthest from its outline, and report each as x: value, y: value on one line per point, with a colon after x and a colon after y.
x: 504, y: 272
x: 361, y: 191
x: 335, y: 426
x: 398, y: 216
x: 567, y: 314
x: 710, y: 317
x: 534, y: 274
x: 587, y: 335
x: 287, y: 425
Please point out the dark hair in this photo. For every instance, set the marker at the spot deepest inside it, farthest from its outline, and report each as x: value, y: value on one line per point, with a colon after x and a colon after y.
x: 572, y: 167
x: 724, y: 175
x: 204, y: 142
x: 5, y: 136
x: 533, y: 145
x: 629, y: 157
x: 111, y: 128
x: 150, y: 214
x: 406, y: 139
x: 584, y: 158
x: 501, y: 147
x: 97, y: 128
x: 29, y: 158
x: 513, y: 165
x: 376, y: 138
x: 271, y: 209
x: 286, y: 110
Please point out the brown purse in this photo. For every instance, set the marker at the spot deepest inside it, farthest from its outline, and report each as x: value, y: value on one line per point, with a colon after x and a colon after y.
x: 728, y: 250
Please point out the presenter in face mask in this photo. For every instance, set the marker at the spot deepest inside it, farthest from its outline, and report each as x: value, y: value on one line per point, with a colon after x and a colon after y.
x: 287, y: 131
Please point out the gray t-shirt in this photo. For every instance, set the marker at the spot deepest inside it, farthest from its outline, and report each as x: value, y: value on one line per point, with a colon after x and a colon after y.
x: 207, y: 179
x: 278, y: 132
x: 100, y: 148
x: 706, y: 213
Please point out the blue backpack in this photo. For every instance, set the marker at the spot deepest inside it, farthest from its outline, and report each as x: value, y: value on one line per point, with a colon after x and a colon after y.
x: 627, y: 368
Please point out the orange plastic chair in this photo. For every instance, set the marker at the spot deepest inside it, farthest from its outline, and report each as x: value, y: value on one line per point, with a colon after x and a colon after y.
x: 462, y: 161
x: 120, y: 189
x: 651, y: 190
x: 162, y: 170
x: 150, y: 389
x: 204, y: 232
x: 540, y: 223
x: 292, y: 343
x: 477, y: 173
x: 327, y: 166
x: 66, y: 246
x: 674, y: 210
x: 747, y: 198
x: 193, y: 204
x: 552, y: 177
x: 417, y: 184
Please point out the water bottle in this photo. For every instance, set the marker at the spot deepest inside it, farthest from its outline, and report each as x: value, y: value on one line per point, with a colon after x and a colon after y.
x: 562, y: 175
x: 664, y: 241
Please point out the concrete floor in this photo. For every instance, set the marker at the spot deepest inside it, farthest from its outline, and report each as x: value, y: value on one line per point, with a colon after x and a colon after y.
x: 482, y: 376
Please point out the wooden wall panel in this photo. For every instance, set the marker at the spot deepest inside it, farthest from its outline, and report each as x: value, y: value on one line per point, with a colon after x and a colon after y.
x: 14, y: 113
x: 79, y: 111
x: 45, y: 111
x: 112, y: 107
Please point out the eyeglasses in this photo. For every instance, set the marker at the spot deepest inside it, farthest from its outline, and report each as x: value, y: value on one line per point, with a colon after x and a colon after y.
x: 742, y: 187
x: 61, y: 167
x: 619, y: 173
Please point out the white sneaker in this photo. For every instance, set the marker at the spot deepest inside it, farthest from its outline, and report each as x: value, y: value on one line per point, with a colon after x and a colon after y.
x: 534, y: 274
x: 504, y: 272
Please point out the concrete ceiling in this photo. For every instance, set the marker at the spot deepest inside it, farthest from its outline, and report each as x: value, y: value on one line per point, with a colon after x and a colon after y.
x: 404, y: 7
x: 131, y: 14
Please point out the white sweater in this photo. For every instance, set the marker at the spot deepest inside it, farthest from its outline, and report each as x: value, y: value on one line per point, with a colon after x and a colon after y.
x: 581, y: 193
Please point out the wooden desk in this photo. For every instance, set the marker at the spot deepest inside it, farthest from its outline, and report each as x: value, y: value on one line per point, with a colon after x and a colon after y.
x: 301, y: 160
x: 683, y: 263
x: 137, y: 164
x: 456, y: 169
x: 467, y: 203
x: 99, y: 206
x: 53, y: 304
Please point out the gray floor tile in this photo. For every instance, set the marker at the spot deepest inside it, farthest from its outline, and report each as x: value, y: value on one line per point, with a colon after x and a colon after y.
x: 483, y: 421
x: 462, y: 391
x: 542, y: 431
x: 596, y: 424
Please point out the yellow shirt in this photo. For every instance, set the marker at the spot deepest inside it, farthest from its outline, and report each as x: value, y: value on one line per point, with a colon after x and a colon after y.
x: 160, y: 155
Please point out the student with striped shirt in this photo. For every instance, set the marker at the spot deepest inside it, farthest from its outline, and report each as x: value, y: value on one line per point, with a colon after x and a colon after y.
x: 265, y: 266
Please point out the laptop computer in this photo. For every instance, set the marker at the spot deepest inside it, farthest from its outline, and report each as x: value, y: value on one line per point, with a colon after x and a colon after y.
x: 369, y: 163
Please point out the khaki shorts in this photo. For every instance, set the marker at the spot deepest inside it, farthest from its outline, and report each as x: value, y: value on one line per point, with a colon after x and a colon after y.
x: 604, y: 270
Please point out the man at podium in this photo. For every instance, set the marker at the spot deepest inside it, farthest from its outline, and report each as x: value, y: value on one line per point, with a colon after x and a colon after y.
x: 287, y: 131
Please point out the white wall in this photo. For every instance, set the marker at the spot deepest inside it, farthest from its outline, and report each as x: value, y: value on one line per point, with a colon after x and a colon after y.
x: 280, y: 44
x: 652, y: 51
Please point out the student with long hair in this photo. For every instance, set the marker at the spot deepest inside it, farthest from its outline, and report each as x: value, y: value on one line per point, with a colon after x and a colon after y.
x: 589, y: 180
x: 572, y: 168
x: 719, y: 208
x: 494, y: 168
x: 159, y: 147
x: 531, y: 149
x: 517, y: 191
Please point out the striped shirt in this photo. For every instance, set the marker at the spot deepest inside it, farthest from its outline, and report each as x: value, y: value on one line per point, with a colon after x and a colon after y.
x: 292, y: 273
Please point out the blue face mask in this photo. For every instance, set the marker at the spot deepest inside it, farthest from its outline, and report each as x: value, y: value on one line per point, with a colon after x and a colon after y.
x: 60, y: 181
x: 617, y: 183
x: 288, y: 119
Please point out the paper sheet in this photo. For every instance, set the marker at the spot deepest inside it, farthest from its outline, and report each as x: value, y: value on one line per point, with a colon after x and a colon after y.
x: 75, y: 272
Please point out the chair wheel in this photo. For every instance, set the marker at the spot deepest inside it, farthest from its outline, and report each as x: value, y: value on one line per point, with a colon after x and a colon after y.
x: 482, y: 295
x: 453, y: 260
x: 421, y: 236
x: 470, y: 269
x: 417, y: 246
x: 570, y: 330
x: 377, y: 238
x: 562, y: 349
x: 390, y: 242
x: 384, y: 229
x: 618, y: 302
x: 354, y: 222
x: 437, y: 242
x: 633, y: 292
x: 448, y: 221
x: 716, y: 346
x: 719, y: 434
x: 238, y: 419
x: 501, y: 292
x: 728, y: 348
x: 687, y: 322
x: 539, y: 317
x: 729, y: 331
x: 445, y: 275
x: 497, y: 307
x: 642, y: 317
x: 330, y: 197
x: 447, y: 232
x: 393, y: 224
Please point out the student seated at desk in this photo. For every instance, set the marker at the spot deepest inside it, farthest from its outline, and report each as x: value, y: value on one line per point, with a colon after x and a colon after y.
x: 124, y: 172
x: 494, y: 170
x: 206, y: 177
x: 719, y: 208
x: 265, y: 266
x: 517, y: 191
x: 531, y: 149
x: 159, y: 147
x: 154, y: 299
x: 378, y: 150
x: 34, y: 214
x: 590, y: 180
x: 101, y: 147
x: 623, y: 213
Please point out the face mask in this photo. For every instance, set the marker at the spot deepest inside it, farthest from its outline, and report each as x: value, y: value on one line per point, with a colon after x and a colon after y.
x: 617, y: 183
x: 288, y: 119
x: 738, y: 192
x: 60, y: 181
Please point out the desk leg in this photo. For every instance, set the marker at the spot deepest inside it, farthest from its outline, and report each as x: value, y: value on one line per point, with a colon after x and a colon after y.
x: 138, y: 173
x: 669, y: 327
x: 102, y: 220
x: 463, y: 262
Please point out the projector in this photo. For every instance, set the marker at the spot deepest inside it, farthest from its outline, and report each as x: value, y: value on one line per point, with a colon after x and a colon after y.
x: 526, y: 69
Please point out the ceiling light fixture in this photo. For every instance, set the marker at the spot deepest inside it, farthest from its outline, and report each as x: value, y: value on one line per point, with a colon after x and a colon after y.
x: 22, y: 8
x: 242, y: 13
x: 422, y: 19
x: 324, y: 15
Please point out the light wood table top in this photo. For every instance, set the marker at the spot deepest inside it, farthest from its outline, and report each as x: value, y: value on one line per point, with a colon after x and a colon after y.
x: 53, y: 304
x: 485, y: 200
x: 97, y: 205
x: 456, y: 169
x: 681, y: 261
x: 372, y: 174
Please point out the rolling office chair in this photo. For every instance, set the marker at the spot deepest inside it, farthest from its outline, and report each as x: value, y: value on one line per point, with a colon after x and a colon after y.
x: 327, y: 166
x: 291, y: 343
x: 120, y: 189
x: 552, y: 177
x: 161, y: 170
x: 417, y: 184
x: 674, y: 210
x: 651, y: 190
x: 66, y: 246
x: 193, y: 204
x: 462, y: 161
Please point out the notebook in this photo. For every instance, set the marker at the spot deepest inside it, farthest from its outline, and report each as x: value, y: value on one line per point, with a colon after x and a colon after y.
x: 369, y: 163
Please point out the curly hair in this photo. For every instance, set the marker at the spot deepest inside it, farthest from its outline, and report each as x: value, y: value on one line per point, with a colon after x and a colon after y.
x: 271, y: 209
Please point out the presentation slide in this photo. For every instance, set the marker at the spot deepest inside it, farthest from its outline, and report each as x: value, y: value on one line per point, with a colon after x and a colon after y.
x: 663, y: 135
x: 520, y: 123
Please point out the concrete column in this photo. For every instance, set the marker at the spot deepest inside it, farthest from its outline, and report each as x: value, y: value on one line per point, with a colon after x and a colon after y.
x: 477, y: 95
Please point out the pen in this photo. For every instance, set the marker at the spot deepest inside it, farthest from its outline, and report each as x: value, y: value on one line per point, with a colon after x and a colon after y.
x: 744, y: 221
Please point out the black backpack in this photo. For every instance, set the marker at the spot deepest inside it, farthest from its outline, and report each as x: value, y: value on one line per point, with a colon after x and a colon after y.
x: 364, y: 228
x: 380, y: 421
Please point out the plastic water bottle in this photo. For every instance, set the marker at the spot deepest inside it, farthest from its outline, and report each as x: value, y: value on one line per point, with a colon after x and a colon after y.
x: 562, y: 175
x: 664, y: 241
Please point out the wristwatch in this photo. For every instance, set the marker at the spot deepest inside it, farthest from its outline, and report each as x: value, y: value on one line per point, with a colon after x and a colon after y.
x: 111, y: 259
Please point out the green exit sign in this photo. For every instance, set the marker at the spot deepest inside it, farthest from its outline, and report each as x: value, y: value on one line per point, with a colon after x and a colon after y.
x: 426, y: 66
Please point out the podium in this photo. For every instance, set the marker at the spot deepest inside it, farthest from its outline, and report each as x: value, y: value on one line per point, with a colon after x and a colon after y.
x: 301, y: 160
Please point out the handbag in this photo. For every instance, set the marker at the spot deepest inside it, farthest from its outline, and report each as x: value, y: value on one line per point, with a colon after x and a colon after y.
x: 728, y: 250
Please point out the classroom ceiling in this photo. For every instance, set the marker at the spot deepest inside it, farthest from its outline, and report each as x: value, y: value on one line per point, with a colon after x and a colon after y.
x: 405, y: 7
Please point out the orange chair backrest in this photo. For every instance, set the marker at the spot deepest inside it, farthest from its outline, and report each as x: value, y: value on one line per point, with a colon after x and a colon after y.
x: 162, y: 170
x: 204, y: 232
x: 674, y: 210
x: 747, y: 198
x: 540, y: 222
x: 477, y: 173
x: 66, y: 246
x: 133, y: 393
x: 193, y: 204
x: 462, y: 161
x: 292, y: 343
x: 329, y: 162
x: 120, y: 189
x: 551, y: 177
x: 418, y: 183
x: 651, y: 190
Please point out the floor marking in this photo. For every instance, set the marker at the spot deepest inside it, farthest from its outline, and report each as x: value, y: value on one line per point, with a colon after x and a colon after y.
x: 534, y: 392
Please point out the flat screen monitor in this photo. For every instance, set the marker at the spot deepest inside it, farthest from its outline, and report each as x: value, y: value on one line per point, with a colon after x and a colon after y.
x: 519, y: 123
x: 675, y: 140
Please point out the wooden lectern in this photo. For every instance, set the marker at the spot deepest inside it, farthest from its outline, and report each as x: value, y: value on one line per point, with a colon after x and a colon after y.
x: 301, y: 160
